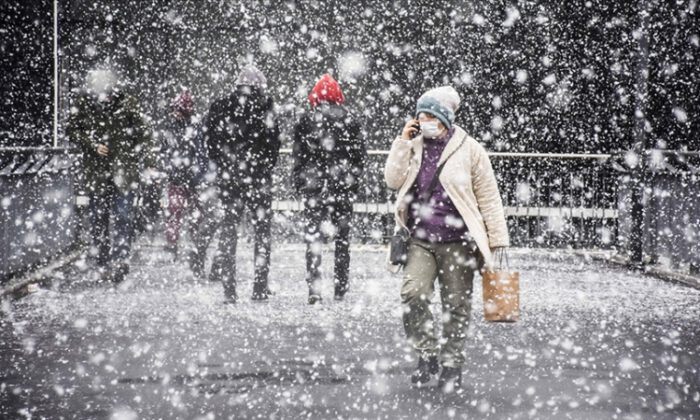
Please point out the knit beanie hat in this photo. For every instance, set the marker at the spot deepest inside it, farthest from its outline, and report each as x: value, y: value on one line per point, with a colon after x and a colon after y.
x: 183, y: 103
x: 442, y: 102
x: 327, y: 89
x: 251, y: 76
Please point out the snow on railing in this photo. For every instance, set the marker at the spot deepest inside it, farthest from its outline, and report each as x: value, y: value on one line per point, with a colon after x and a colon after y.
x: 28, y: 160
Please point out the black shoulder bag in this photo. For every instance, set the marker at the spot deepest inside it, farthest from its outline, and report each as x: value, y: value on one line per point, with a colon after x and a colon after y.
x: 400, y: 240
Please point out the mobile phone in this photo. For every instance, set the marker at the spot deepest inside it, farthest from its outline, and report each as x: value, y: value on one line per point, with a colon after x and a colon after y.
x: 417, y: 132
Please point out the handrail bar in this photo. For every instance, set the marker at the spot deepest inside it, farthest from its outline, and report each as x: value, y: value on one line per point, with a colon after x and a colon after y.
x: 596, y: 156
x: 599, y: 156
x: 36, y: 149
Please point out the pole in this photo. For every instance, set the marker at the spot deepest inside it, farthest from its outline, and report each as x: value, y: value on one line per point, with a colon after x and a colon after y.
x: 639, y: 209
x: 55, y: 73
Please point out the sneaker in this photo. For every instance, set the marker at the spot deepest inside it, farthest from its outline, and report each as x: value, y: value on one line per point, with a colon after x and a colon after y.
x: 314, y: 298
x: 426, y: 368
x: 450, y: 379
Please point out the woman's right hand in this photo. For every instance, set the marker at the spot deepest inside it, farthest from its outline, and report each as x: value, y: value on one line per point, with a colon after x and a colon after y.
x: 410, y: 129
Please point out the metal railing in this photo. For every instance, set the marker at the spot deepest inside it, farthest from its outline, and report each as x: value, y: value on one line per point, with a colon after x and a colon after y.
x: 37, y: 211
x: 32, y: 160
x: 549, y: 199
x: 659, y: 218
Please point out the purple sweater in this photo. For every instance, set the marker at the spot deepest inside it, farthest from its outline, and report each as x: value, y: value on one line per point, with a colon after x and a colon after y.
x: 438, y: 220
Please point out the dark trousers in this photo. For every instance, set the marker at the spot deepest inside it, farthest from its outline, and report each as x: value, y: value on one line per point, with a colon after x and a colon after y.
x: 108, y: 202
x: 339, y: 213
x: 258, y: 204
x: 204, y: 225
x: 149, y: 209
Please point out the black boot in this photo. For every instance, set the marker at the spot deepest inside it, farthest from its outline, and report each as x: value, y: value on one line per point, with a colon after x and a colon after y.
x: 426, y: 368
x: 230, y: 295
x: 102, y: 259
x: 230, y: 286
x: 340, y: 291
x: 196, y: 264
x: 119, y: 272
x: 314, y: 297
x: 450, y: 379
x: 217, y: 270
x: 260, y: 292
x: 314, y: 292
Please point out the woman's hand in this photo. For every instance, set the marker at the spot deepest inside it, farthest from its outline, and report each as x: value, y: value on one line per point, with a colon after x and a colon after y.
x: 410, y: 129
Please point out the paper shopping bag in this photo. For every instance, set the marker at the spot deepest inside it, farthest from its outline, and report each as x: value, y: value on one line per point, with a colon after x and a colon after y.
x: 501, y: 295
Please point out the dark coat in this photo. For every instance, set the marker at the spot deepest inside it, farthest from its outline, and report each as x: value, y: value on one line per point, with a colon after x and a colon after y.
x: 243, y: 138
x: 184, y: 158
x: 118, y: 125
x: 329, y: 153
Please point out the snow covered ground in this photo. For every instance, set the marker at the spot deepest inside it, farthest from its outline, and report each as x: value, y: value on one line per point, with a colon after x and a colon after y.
x: 593, y: 342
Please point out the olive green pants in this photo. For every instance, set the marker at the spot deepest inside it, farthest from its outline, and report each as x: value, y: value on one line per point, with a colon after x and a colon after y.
x: 453, y: 264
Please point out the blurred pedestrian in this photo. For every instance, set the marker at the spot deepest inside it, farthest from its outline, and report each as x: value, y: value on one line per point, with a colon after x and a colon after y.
x: 329, y: 158
x: 185, y: 165
x: 455, y: 223
x: 108, y: 126
x: 243, y: 142
x: 206, y: 217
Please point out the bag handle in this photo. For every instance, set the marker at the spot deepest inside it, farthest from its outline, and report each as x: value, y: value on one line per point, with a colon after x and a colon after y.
x: 500, y: 256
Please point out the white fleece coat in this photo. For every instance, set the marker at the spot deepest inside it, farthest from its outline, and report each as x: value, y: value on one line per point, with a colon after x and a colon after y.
x: 468, y: 180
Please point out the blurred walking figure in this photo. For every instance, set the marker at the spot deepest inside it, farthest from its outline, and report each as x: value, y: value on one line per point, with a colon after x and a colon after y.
x: 185, y: 163
x: 329, y: 158
x: 243, y: 142
x: 449, y: 202
x: 106, y: 123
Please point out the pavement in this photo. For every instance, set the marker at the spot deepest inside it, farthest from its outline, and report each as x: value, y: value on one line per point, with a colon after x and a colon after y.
x: 594, y: 341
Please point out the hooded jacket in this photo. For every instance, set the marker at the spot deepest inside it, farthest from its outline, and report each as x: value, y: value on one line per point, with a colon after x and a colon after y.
x: 329, y: 154
x: 117, y: 124
x: 243, y: 138
x: 184, y: 156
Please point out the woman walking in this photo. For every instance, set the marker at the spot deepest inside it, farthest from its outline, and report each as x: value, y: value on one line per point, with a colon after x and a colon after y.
x: 455, y: 223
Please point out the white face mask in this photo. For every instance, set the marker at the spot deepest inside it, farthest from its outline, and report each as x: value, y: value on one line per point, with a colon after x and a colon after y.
x: 430, y: 129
